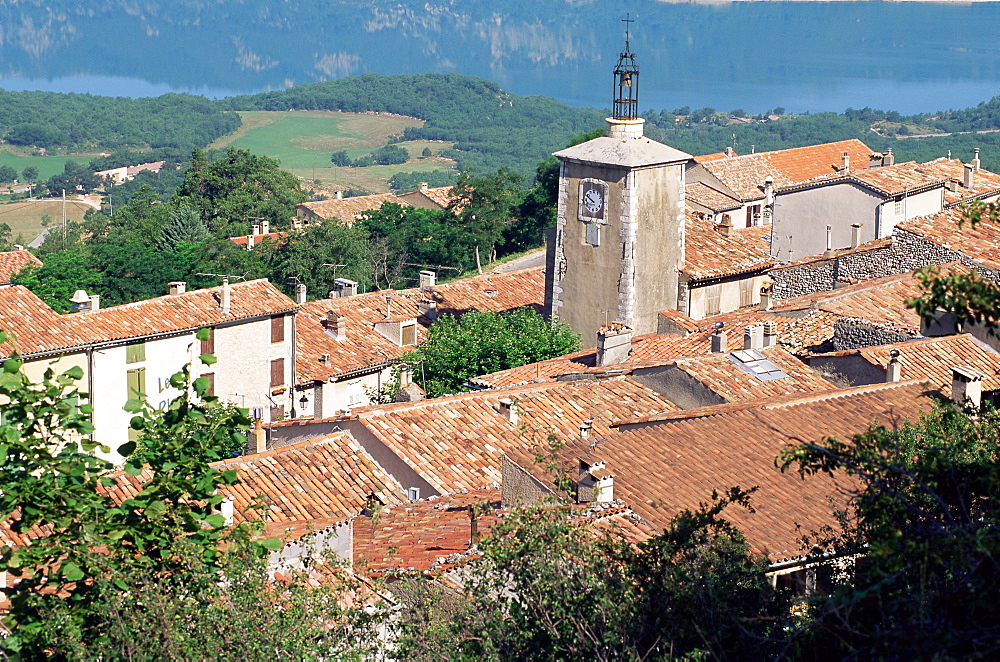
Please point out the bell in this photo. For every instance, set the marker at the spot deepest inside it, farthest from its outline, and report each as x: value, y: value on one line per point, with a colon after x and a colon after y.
x: 626, y: 79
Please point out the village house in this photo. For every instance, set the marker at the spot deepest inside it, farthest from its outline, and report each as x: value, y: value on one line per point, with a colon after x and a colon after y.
x: 348, y: 210
x: 13, y: 262
x: 127, y: 173
x: 134, y: 348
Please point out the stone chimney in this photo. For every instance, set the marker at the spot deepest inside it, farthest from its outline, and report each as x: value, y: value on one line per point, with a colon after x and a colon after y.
x: 975, y: 159
x: 828, y: 253
x: 889, y: 159
x: 337, y: 324
x: 967, y: 179
x: 725, y: 225
x: 508, y: 409
x: 250, y: 240
x: 595, y: 483
x: 95, y: 302
x: 300, y: 293
x: 614, y: 343
x: 770, y: 334
x: 730, y: 152
x: 228, y: 510
x: 845, y: 162
x: 753, y: 336
x: 966, y: 386
x: 80, y: 301
x: 428, y: 278
x: 259, y: 437
x: 176, y: 287
x: 225, y: 295
x: 894, y: 371
x: 427, y: 307
x: 769, y: 190
x: 265, y: 227
x: 340, y: 195
x: 423, y: 187
x: 344, y: 287
x: 256, y: 229
x: 719, y: 339
x: 952, y: 185
x: 855, y: 235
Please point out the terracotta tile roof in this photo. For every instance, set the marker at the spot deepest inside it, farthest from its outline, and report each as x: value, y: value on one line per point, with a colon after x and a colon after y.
x: 439, y: 196
x: 39, y: 329
x: 664, y: 467
x: 888, y: 180
x: 984, y: 183
x: 348, y: 209
x: 325, y: 479
x: 12, y: 262
x: 268, y: 237
x: 710, y: 254
x: 875, y: 244
x: 709, y: 197
x: 932, y: 359
x: 154, y: 166
x: 456, y: 442
x: 364, y: 347
x: 809, y: 332
x: 981, y: 243
x: 744, y: 175
x: 714, y: 156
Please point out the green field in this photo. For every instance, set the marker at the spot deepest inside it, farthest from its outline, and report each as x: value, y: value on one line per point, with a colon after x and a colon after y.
x: 19, y: 159
x: 304, y: 140
x: 25, y: 217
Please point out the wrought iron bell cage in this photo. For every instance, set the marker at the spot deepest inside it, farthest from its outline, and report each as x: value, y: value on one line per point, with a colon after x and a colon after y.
x: 626, y: 85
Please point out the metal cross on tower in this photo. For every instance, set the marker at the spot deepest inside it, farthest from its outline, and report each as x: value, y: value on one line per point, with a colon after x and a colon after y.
x: 626, y: 105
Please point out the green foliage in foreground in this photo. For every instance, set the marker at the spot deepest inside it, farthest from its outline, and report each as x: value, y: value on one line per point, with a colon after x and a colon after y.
x: 477, y: 343
x: 158, y: 575
x: 927, y: 519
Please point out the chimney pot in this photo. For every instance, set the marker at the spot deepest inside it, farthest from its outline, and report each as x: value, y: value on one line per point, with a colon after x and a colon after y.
x: 894, y: 371
x: 80, y: 301
x: 340, y: 195
x: 585, y: 428
x: 719, y: 339
x: 770, y: 333
x: 614, y: 343
x: 265, y: 227
x: 968, y: 179
x: 829, y: 242
x: 176, y: 287
x: 975, y: 159
x: 428, y: 279
x: 730, y: 152
x: 889, y: 159
x: 300, y: 293
x: 256, y: 228
x: 95, y: 302
x: 225, y: 295
x: 228, y: 510
x: 423, y: 186
x: 508, y: 409
x: 324, y: 359
x: 966, y: 386
x: 753, y: 336
x: 846, y: 162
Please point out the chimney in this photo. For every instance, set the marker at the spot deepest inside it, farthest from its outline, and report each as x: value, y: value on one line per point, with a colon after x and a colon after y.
x: 336, y: 323
x: 975, y: 159
x: 388, y: 306
x: 875, y: 159
x: 889, y: 158
x: 225, y: 295
x: 428, y: 279
x: 260, y: 439
x: 250, y: 242
x: 855, y: 235
x: 18, y: 247
x: 595, y: 483
x: 614, y: 343
x: 95, y: 302
x: 80, y: 301
x: 846, y: 162
x: 585, y: 428
x: 894, y: 371
x: 769, y: 190
x: 952, y: 185
x: 300, y: 293
x: 730, y: 152
x: 718, y: 339
x: 427, y: 307
x: 228, y: 510
x: 344, y: 287
x: 265, y: 227
x: 829, y: 242
x: 967, y: 179
x: 176, y: 287
x: 766, y: 290
x: 324, y: 358
x: 753, y: 336
x: 966, y: 386
x: 726, y: 225
x: 256, y: 228
x: 508, y: 409
x: 770, y: 333
x: 423, y: 187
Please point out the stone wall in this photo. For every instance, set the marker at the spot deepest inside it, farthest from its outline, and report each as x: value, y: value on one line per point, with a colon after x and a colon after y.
x: 849, y: 334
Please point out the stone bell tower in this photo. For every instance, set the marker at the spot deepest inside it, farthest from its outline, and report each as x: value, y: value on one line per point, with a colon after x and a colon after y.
x: 619, y: 238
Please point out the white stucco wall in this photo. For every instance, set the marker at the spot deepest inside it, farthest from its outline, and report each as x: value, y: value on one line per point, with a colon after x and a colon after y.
x: 729, y: 297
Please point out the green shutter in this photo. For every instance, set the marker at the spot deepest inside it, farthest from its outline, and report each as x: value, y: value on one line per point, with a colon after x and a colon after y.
x: 135, y: 352
x: 136, y: 382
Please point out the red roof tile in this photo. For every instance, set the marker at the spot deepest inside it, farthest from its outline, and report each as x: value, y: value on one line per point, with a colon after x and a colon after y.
x: 11, y: 262
x: 710, y: 254
x: 981, y: 243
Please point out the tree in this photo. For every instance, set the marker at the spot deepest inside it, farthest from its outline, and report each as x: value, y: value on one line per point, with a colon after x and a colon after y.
x: 7, y: 174
x: 154, y: 576
x: 63, y: 273
x: 237, y: 187
x: 478, y: 343
x: 927, y: 519
x: 390, y: 155
x: 486, y: 205
x: 341, y: 159
x: 547, y: 587
x: 302, y: 256
x: 184, y: 226
x: 29, y: 174
x: 426, y: 152
x: 74, y: 178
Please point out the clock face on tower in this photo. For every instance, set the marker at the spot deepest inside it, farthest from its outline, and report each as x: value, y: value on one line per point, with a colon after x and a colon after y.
x: 593, y: 196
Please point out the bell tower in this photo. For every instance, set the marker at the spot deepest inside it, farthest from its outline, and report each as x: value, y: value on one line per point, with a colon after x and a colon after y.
x: 618, y: 244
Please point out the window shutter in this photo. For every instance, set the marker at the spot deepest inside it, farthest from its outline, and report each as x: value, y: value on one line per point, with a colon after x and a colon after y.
x: 135, y: 353
x: 278, y: 328
x: 410, y: 334
x: 210, y: 376
x: 136, y: 379
x: 747, y: 292
x: 208, y: 346
x: 277, y: 413
x: 713, y: 295
x: 277, y: 372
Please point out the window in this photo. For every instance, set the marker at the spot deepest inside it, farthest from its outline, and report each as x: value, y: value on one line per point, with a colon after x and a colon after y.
x: 753, y: 215
x: 278, y: 328
x: 210, y: 376
x: 277, y: 372
x: 208, y: 346
x: 747, y: 292
x: 277, y: 413
x: 898, y: 207
x: 713, y: 295
x: 135, y: 353
x: 136, y: 380
x: 409, y: 335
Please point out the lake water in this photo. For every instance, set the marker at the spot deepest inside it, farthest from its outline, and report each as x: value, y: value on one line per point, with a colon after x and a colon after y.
x: 803, y: 56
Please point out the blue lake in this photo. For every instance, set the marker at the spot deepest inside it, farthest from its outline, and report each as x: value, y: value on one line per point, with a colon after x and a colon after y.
x: 803, y: 56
